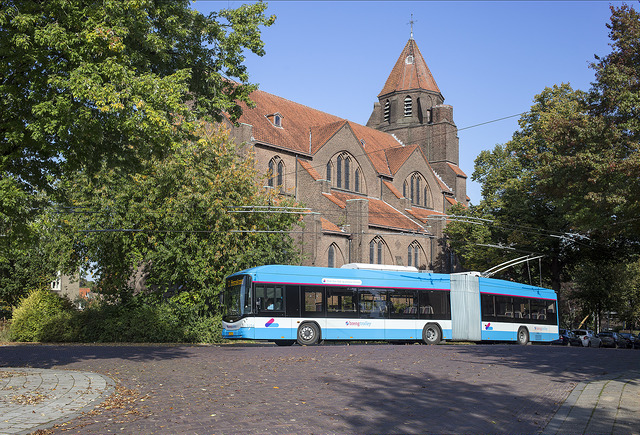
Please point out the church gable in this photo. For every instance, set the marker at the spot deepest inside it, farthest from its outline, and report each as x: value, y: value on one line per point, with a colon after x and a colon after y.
x: 370, y: 189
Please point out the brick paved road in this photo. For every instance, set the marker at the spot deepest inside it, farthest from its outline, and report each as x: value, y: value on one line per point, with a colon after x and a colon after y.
x: 252, y: 389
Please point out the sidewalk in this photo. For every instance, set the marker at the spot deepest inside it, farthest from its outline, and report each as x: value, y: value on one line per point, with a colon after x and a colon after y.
x: 32, y: 399
x: 606, y: 406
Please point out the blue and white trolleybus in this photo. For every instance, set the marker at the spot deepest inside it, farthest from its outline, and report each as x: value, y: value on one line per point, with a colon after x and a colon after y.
x: 289, y: 304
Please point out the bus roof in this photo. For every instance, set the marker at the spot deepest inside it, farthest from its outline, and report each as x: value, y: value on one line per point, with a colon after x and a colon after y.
x: 397, y: 279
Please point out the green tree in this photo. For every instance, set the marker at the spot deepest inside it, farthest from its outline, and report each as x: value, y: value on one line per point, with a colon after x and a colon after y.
x: 514, y: 212
x: 568, y: 183
x: 175, y: 222
x: 94, y: 83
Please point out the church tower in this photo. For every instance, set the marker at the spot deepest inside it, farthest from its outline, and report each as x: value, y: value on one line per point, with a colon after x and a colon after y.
x: 411, y: 107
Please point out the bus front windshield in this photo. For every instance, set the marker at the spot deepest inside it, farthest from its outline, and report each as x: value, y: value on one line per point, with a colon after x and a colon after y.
x: 236, y: 301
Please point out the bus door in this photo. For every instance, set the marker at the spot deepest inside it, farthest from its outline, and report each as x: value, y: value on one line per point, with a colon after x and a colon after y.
x: 466, y: 320
x: 374, y: 311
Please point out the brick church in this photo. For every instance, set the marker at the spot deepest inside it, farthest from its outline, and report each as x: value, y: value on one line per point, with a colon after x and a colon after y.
x: 377, y: 193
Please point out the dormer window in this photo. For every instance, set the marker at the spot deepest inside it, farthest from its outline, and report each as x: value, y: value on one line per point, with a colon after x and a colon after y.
x: 409, y: 60
x: 275, y: 119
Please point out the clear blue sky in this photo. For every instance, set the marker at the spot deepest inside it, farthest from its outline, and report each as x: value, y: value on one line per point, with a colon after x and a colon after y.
x: 489, y: 59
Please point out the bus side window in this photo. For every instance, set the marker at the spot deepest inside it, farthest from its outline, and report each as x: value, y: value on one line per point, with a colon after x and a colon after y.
x: 504, y: 307
x: 403, y: 304
x: 270, y: 298
x: 488, y: 308
x: 313, y: 301
x: 373, y: 304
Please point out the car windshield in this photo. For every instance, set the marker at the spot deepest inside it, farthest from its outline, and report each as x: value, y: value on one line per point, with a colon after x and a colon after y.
x: 606, y: 334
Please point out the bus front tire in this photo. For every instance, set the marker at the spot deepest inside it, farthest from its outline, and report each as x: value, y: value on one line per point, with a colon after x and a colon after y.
x: 308, y: 334
x: 523, y: 335
x: 431, y: 334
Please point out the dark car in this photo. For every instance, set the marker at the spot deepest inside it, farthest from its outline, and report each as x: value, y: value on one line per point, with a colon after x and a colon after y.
x: 627, y: 340
x: 609, y: 339
x: 567, y: 338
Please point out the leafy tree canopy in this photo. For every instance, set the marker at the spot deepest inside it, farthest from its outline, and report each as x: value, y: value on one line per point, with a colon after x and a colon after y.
x: 180, y: 222
x: 92, y: 83
x: 567, y: 185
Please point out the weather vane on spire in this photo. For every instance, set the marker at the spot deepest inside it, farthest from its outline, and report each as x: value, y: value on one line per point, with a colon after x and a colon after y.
x: 411, y: 23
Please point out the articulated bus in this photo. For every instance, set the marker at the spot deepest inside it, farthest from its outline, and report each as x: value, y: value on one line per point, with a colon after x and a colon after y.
x: 289, y: 304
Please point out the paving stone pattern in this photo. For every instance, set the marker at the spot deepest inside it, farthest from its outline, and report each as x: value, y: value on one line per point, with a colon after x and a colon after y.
x: 34, y: 398
x: 414, y: 389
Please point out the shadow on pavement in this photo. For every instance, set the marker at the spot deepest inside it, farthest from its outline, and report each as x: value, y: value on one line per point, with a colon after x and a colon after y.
x: 50, y: 355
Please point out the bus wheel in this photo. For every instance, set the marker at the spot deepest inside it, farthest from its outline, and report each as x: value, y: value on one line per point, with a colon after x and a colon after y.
x: 523, y: 335
x: 431, y: 334
x: 308, y: 334
x: 284, y: 342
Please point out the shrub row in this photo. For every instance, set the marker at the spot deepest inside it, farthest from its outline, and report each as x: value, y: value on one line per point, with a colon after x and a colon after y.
x: 44, y: 316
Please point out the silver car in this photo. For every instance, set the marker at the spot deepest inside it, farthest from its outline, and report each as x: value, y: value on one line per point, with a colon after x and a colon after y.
x: 588, y: 337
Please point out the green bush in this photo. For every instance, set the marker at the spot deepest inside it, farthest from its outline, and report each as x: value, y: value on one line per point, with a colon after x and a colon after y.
x: 43, y: 316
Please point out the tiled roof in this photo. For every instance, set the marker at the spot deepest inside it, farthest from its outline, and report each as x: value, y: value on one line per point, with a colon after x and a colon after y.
x: 310, y: 169
x: 330, y: 227
x: 407, y: 76
x: 393, y: 189
x: 296, y: 123
x: 335, y: 200
x: 382, y: 214
x: 306, y: 130
x: 320, y: 134
x: 457, y: 170
x: 397, y: 156
x: 423, y: 214
x: 451, y: 200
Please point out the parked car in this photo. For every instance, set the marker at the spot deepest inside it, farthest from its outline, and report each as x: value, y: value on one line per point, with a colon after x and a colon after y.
x: 635, y: 344
x: 609, y: 339
x: 587, y: 337
x: 626, y: 340
x: 567, y: 338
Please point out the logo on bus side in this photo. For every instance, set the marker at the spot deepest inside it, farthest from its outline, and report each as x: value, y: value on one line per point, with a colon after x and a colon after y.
x: 270, y: 322
x: 488, y: 327
x: 358, y: 324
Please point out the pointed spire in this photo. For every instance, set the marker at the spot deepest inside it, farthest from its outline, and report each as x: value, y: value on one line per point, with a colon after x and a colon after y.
x: 410, y: 72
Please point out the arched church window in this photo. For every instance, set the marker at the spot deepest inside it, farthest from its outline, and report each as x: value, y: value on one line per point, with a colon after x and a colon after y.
x: 387, y: 111
x: 413, y: 254
x: 356, y: 180
x: 347, y: 163
x: 329, y: 171
x: 331, y: 260
x: 276, y: 172
x: 280, y: 173
x: 417, y: 193
x: 408, y: 106
x: 272, y: 170
x: 339, y: 172
x: 376, y: 250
